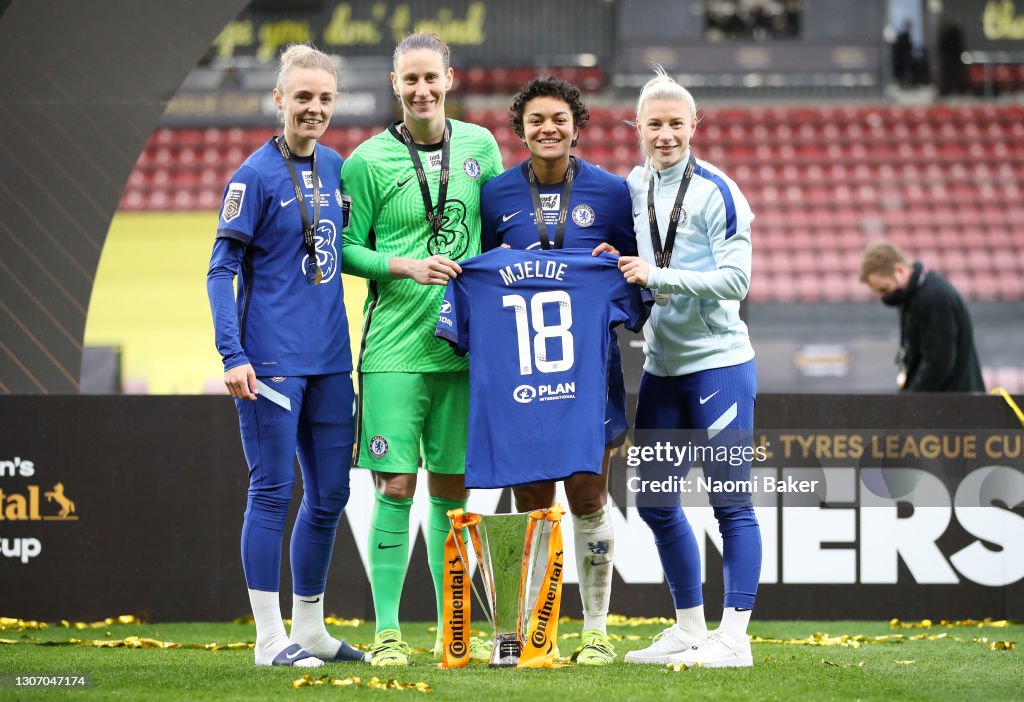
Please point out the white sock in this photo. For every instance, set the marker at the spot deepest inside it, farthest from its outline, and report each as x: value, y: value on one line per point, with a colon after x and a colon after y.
x: 595, y: 549
x: 308, y: 626
x: 734, y: 623
x: 691, y: 621
x: 271, y: 638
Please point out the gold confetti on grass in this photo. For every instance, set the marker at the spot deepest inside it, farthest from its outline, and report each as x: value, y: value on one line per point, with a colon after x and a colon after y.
x: 331, y: 620
x: 844, y: 640
x: 681, y: 667
x: 13, y: 624
x: 138, y: 642
x: 235, y: 646
x: 965, y: 623
x: 308, y: 680
x: 129, y: 642
x: 124, y: 620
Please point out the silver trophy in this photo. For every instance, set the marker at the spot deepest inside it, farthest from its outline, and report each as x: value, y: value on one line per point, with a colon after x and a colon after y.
x: 507, y: 556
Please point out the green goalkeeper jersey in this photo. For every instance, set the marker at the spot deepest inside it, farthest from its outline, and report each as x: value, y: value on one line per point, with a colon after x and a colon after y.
x: 388, y: 218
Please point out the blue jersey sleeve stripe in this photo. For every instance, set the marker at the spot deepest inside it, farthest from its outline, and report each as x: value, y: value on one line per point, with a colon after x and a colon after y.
x: 233, y: 234
x: 730, y: 206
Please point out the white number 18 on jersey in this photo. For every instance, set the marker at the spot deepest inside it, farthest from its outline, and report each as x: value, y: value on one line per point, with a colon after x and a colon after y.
x: 543, y: 332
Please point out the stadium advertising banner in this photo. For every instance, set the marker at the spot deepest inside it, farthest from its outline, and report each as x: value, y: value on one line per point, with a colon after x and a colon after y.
x: 480, y: 32
x: 134, y: 504
x: 366, y: 100
x: 989, y: 25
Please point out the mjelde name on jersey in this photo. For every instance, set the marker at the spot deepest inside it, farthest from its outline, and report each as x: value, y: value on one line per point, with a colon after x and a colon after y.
x: 521, y: 270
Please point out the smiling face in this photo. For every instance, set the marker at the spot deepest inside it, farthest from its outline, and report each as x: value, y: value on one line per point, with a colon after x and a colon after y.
x: 548, y: 128
x: 306, y: 104
x: 666, y: 127
x: 420, y: 81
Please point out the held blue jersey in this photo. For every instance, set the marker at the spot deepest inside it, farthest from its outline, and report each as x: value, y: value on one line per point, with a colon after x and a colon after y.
x: 281, y: 324
x: 599, y: 210
x: 536, y: 325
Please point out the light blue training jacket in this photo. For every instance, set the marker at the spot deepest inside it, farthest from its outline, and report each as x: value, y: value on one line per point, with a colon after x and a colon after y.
x: 700, y: 327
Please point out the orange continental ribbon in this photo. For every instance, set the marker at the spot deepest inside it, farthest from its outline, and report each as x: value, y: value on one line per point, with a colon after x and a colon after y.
x: 456, y: 604
x: 539, y: 646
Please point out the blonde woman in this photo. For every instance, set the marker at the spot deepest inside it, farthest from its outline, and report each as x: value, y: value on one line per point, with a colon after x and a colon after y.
x: 693, y: 235
x: 287, y: 362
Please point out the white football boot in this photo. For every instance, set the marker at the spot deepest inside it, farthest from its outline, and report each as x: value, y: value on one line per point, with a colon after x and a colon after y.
x: 671, y: 642
x: 717, y: 650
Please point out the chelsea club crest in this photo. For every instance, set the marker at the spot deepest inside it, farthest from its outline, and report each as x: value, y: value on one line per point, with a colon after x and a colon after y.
x: 378, y: 446
x: 583, y: 215
x: 471, y: 167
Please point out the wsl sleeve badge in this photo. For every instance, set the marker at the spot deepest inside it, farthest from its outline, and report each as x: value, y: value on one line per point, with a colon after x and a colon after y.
x: 233, y: 202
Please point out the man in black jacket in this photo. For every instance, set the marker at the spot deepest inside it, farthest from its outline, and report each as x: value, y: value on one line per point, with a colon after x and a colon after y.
x: 937, y: 351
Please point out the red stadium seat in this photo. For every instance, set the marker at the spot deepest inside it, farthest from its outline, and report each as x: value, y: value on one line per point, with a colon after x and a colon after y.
x: 941, y: 180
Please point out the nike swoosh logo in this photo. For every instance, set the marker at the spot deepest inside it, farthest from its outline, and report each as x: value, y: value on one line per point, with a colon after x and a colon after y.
x: 636, y: 214
x: 289, y: 656
x: 382, y: 546
x: 505, y: 218
x: 607, y: 421
x: 311, y: 601
x: 599, y: 563
x: 401, y: 183
x: 285, y: 203
x: 705, y: 399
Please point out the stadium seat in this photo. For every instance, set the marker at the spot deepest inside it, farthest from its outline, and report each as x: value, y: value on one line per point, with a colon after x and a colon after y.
x: 941, y: 179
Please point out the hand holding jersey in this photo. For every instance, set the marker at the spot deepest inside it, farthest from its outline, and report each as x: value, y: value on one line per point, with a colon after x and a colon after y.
x: 635, y: 269
x: 605, y: 247
x: 433, y: 270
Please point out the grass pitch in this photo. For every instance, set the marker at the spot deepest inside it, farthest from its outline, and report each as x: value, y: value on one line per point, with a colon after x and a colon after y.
x: 953, y: 663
